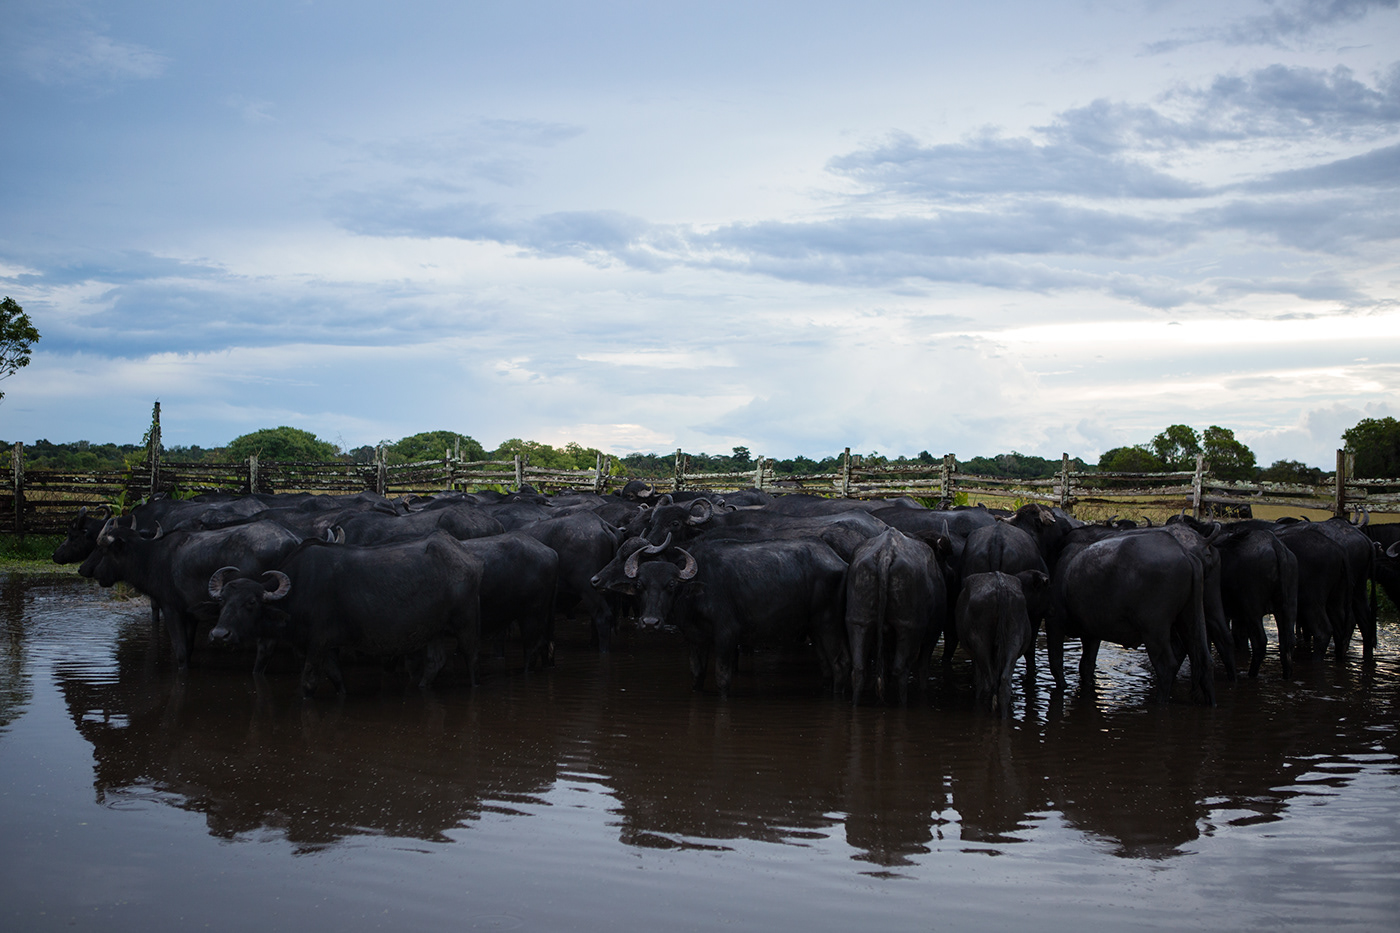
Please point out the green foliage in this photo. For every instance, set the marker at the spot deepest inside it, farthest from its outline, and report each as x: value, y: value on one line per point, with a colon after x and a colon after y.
x: 29, y: 548
x: 429, y: 445
x: 1131, y: 460
x: 1228, y: 458
x: 1017, y: 465
x: 1177, y: 447
x: 281, y: 443
x: 181, y: 453
x: 571, y: 456
x: 1376, y: 444
x: 79, y: 456
x: 1292, y: 471
x: 17, y: 338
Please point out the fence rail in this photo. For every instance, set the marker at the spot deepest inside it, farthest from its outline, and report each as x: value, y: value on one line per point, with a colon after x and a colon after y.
x: 45, y: 501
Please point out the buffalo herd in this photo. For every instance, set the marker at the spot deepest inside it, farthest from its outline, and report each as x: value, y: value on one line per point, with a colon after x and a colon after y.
x: 871, y: 585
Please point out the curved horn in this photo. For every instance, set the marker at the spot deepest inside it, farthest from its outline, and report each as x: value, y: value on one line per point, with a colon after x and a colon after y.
x: 1363, y: 517
x: 665, y: 500
x: 634, y: 564
x: 690, y: 568
x: 707, y: 511
x: 1216, y: 531
x: 284, y: 585
x: 648, y: 493
x: 219, y: 578
x: 335, y: 535
x: 658, y: 548
x: 1393, y: 550
x: 105, y: 535
x: 160, y: 532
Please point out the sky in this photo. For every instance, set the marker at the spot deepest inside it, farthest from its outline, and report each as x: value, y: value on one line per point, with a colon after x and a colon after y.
x: 791, y: 226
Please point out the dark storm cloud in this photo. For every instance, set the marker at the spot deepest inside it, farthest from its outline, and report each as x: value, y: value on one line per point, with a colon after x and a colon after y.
x: 1280, y: 24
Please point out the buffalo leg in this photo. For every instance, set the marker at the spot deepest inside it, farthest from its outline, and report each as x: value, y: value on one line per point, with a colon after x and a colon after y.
x: 1088, y: 660
x: 699, y: 661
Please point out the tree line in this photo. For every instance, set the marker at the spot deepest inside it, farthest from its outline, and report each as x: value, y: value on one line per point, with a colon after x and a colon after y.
x: 1374, y: 441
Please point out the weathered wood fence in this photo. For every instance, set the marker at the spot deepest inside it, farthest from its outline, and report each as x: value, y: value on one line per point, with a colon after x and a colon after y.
x: 45, y: 501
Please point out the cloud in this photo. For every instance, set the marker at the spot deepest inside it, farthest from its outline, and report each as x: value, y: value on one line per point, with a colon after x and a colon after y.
x: 1282, y: 23
x: 1277, y: 101
x: 89, y: 58
x: 996, y: 165
x: 251, y: 110
x: 1379, y: 168
x: 1328, y: 224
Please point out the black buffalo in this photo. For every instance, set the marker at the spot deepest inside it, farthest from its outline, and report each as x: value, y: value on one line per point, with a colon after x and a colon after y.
x: 895, y: 593
x: 995, y: 625
x: 1133, y: 589
x: 390, y: 600
x: 728, y: 593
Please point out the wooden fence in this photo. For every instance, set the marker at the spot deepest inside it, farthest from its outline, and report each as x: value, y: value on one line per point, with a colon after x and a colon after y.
x: 45, y: 501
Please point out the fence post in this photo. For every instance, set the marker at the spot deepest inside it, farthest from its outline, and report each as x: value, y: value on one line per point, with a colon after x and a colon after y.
x: 1064, y: 481
x: 1339, y: 497
x: 1196, y: 486
x: 846, y: 474
x: 381, y: 471
x: 604, y: 469
x: 17, y: 469
x: 153, y: 450
x: 945, y: 478
x: 758, y: 475
x: 679, y: 481
x: 519, y: 472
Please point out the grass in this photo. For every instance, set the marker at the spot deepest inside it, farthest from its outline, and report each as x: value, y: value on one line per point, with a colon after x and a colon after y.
x: 32, y: 554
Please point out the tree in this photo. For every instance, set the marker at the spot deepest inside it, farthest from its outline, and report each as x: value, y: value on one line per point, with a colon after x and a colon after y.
x: 1292, y: 471
x: 17, y: 338
x: 1130, y: 460
x: 282, y: 443
x: 1228, y: 458
x: 1177, y: 447
x: 1376, y: 444
x: 431, y: 445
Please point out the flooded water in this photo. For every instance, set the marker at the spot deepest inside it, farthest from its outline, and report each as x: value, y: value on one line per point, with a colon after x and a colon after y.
x: 604, y: 795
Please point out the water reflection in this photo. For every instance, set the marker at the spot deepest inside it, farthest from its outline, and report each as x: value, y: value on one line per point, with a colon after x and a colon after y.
x: 778, y: 764
x: 14, y: 684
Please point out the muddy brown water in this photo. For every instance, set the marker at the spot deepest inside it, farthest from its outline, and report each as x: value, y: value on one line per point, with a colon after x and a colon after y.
x: 604, y: 795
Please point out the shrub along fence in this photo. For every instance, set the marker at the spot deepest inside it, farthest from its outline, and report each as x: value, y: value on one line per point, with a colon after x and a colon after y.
x: 45, y: 501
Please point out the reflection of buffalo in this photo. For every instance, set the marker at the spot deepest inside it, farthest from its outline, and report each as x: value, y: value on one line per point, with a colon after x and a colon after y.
x: 252, y: 760
x: 788, y: 765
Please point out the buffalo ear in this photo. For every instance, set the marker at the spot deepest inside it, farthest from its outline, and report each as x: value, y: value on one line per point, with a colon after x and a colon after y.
x: 1032, y: 580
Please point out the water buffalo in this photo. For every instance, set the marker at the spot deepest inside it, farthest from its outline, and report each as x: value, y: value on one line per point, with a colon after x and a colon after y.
x: 895, y: 592
x: 730, y: 592
x: 390, y: 599
x: 1133, y: 589
x: 995, y: 626
x: 174, y: 569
